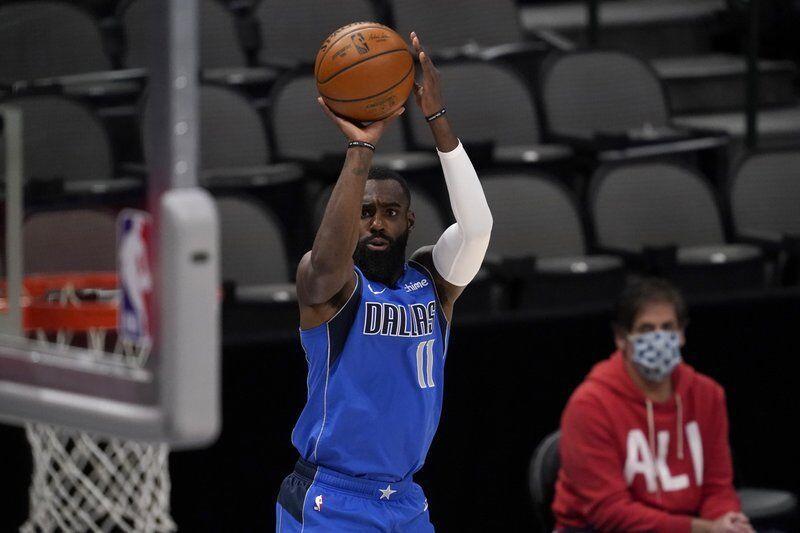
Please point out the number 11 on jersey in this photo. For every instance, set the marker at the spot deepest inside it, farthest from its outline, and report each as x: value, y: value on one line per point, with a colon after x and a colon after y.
x: 425, y: 364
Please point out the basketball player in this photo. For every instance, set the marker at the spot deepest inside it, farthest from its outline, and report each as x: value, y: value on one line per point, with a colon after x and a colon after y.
x: 375, y: 331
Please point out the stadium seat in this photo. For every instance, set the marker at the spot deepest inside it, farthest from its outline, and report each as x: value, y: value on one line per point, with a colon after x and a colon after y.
x: 538, y: 239
x: 471, y: 29
x: 613, y: 106
x: 67, y: 149
x: 54, y: 43
x: 764, y: 196
x: 490, y: 104
x: 222, y: 57
x: 427, y: 229
x: 665, y: 218
x: 254, y: 259
x: 542, y: 477
x: 292, y: 32
x: 234, y: 147
x: 766, y: 508
x: 302, y: 132
x: 79, y: 240
x: 651, y: 28
x: 769, y: 508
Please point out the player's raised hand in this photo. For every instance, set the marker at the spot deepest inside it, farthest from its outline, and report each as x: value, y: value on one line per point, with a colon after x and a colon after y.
x: 370, y: 133
x: 428, y: 94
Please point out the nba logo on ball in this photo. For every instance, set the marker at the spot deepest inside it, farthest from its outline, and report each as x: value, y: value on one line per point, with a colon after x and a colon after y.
x: 134, y: 231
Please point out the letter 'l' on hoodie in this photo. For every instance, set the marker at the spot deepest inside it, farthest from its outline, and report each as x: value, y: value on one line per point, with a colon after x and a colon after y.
x: 629, y: 464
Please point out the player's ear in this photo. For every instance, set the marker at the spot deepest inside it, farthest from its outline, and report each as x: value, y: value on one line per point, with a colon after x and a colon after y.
x: 412, y: 219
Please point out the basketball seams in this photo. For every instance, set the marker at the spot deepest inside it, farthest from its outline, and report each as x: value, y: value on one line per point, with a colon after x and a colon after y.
x: 362, y: 61
x: 410, y: 70
x: 320, y: 60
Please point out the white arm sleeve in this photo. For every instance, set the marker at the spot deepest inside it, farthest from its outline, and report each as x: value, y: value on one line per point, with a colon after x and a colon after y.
x: 459, y: 252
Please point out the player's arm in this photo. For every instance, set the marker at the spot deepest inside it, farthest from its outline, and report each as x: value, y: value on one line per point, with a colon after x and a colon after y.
x: 459, y: 252
x: 327, y: 269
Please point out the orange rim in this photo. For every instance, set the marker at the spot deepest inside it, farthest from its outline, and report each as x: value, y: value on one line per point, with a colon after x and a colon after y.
x: 39, y: 314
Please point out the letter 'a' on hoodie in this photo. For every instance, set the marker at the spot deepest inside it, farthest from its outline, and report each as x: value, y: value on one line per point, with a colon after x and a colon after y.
x: 628, y: 464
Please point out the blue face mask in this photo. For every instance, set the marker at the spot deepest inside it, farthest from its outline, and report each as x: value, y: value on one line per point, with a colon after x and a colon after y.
x: 656, y: 354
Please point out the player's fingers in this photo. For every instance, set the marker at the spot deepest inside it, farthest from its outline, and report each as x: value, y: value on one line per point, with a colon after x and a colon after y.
x: 427, y: 64
x: 326, y: 109
x: 424, y: 60
x: 741, y: 518
x: 391, y: 118
x: 415, y: 42
x: 339, y: 121
x: 418, y: 88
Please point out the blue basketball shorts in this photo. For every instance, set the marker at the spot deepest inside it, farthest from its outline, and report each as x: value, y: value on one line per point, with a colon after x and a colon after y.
x: 314, y: 499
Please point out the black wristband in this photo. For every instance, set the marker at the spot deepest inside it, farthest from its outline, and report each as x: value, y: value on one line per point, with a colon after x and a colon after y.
x: 436, y: 115
x: 361, y: 144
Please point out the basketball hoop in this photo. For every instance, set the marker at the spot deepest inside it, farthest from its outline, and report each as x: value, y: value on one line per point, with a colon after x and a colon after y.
x: 82, y: 482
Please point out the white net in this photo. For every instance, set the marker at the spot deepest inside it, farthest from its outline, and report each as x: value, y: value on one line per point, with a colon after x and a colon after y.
x: 87, y: 483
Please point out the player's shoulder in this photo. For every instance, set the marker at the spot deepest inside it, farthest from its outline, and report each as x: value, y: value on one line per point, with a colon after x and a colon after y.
x: 422, y: 260
x: 446, y: 292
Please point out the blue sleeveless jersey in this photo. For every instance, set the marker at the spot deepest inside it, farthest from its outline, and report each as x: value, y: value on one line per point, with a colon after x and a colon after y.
x: 375, y: 376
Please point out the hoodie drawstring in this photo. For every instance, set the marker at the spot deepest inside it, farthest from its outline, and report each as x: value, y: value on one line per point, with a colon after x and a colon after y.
x: 651, y: 425
x: 651, y: 430
x: 651, y: 437
x: 679, y: 404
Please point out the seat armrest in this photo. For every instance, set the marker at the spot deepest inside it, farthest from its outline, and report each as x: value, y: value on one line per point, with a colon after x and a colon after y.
x: 630, y: 258
x: 511, y: 51
x: 579, y: 144
x: 107, y: 83
x: 282, y: 64
x: 252, y: 176
x: 707, y: 132
x: 553, y: 39
x: 132, y: 168
x: 612, y: 146
x: 771, y: 243
x: 662, y: 149
x: 534, y: 153
x: 245, y: 76
x: 103, y: 187
x: 270, y: 293
x: 105, y: 76
x: 414, y: 161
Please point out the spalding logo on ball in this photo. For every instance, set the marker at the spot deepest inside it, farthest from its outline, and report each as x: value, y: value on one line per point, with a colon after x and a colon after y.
x: 364, y: 71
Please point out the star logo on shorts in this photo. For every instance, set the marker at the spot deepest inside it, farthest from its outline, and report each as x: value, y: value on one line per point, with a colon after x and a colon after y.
x: 387, y: 492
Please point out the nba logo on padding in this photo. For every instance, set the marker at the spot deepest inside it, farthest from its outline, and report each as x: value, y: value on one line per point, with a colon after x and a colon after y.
x: 135, y: 277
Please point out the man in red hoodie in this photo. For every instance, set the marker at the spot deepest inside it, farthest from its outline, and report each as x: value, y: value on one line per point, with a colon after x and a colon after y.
x: 644, y: 439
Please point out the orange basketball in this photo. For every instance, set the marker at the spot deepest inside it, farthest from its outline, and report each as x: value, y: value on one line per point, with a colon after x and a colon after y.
x: 364, y: 71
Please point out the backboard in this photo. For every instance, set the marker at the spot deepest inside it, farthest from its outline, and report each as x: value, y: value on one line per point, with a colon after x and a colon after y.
x: 156, y: 378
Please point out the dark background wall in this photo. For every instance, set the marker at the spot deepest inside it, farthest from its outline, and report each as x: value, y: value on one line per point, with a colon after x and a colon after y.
x: 508, y: 378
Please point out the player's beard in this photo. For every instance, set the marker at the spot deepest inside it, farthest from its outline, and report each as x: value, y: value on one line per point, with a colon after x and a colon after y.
x: 381, y: 265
